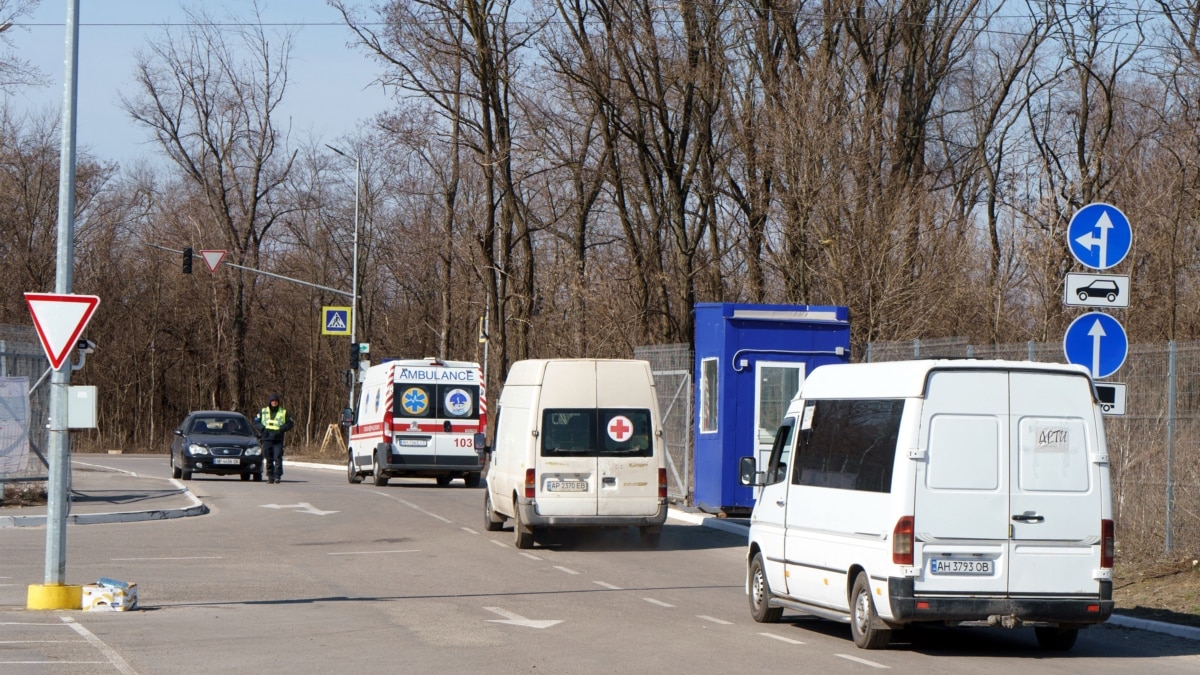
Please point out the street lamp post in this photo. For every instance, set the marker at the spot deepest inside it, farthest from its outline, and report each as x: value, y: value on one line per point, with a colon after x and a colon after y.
x: 354, y: 263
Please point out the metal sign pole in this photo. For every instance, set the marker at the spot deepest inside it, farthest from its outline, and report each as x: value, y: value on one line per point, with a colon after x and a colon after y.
x: 59, y: 444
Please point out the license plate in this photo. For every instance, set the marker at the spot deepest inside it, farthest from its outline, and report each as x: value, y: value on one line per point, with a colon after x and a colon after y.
x: 413, y: 442
x: 566, y: 486
x: 983, y: 567
x: 226, y: 460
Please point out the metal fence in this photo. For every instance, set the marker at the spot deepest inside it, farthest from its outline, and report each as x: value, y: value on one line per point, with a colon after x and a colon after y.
x: 1154, y: 449
x: 672, y: 366
x: 21, y: 355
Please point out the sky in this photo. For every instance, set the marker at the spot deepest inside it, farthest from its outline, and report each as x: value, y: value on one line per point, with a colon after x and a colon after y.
x: 330, y: 85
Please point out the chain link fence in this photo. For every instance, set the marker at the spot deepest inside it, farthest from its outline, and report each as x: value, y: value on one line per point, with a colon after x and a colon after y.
x: 21, y: 356
x: 672, y: 366
x: 1154, y: 449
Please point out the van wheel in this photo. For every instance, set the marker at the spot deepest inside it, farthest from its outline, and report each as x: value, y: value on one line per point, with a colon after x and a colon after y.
x: 863, y: 619
x: 760, y: 594
x: 443, y: 481
x: 380, y: 477
x: 650, y: 535
x: 492, y: 521
x: 522, y: 535
x: 1055, y: 639
x: 352, y: 475
x: 472, y: 479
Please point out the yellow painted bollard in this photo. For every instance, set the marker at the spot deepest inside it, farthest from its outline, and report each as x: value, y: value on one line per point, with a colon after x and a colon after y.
x: 54, y: 596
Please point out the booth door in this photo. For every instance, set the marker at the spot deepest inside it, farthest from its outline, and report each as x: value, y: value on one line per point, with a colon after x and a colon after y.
x: 775, y: 384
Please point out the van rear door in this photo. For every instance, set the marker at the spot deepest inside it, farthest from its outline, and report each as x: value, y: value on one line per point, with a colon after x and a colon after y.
x: 566, y: 456
x: 1005, y: 500
x: 961, y: 511
x: 1056, y: 498
x: 627, y: 461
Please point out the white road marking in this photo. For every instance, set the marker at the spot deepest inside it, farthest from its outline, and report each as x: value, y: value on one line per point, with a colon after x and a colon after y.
x: 660, y: 603
x: 713, y: 619
x: 410, y: 550
x: 499, y: 543
x: 418, y: 508
x: 790, y: 641
x: 195, y: 557
x: 469, y: 530
x: 530, y: 556
x: 304, y: 506
x: 56, y: 663
x: 515, y: 619
x: 113, y: 657
x: 863, y: 661
x: 568, y: 570
x: 38, y: 642
x: 606, y: 585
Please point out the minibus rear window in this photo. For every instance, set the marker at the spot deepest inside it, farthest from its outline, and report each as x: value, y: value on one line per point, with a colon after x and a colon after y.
x: 586, y: 432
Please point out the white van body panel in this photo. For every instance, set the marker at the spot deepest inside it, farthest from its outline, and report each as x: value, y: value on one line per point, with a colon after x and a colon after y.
x: 605, y: 488
x: 998, y: 463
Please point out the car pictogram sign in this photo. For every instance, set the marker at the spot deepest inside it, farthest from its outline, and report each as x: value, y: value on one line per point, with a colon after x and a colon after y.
x: 60, y: 319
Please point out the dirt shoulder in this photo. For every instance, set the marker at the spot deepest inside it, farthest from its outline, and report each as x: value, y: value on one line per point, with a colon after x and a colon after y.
x: 1160, y: 591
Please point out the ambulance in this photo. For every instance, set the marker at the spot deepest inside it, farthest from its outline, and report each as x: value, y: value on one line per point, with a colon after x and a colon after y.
x: 419, y: 418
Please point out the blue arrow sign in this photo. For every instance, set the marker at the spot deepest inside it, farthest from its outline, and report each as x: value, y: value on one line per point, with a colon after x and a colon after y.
x: 1099, y: 236
x: 1097, y: 342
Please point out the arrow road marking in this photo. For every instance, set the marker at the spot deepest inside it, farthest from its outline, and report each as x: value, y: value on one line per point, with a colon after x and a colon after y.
x: 304, y: 506
x: 518, y: 620
x: 1089, y: 240
x: 1097, y: 332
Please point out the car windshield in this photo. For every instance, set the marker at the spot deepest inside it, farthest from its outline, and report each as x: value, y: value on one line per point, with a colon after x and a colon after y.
x: 220, y: 425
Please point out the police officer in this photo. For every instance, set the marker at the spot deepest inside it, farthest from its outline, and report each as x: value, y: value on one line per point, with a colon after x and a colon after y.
x: 271, y: 423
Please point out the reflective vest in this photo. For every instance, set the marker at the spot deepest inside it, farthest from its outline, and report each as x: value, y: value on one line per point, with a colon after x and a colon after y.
x: 272, y: 423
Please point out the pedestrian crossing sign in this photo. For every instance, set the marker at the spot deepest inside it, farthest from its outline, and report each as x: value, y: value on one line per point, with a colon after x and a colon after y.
x: 335, y: 321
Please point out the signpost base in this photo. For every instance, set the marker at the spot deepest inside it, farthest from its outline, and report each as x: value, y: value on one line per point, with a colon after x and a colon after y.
x: 54, y: 596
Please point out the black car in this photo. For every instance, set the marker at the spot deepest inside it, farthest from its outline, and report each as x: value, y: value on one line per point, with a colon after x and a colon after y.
x: 216, y: 441
x: 1100, y: 288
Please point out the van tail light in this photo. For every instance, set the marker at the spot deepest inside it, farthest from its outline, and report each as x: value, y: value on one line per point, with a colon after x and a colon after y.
x: 662, y: 483
x: 530, y: 483
x: 1108, y: 543
x: 902, y: 541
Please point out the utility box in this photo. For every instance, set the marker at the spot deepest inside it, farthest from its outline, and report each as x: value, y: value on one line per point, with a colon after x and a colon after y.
x: 81, y: 407
x: 750, y: 361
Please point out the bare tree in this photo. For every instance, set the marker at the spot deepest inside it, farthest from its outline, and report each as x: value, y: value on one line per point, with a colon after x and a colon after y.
x: 15, y: 71
x: 209, y: 98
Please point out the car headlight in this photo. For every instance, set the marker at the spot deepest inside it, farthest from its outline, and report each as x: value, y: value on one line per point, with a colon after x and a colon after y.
x: 253, y: 451
x: 195, y: 449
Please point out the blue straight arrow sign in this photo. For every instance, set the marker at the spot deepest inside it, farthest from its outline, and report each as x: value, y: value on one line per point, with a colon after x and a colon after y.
x: 1097, y: 342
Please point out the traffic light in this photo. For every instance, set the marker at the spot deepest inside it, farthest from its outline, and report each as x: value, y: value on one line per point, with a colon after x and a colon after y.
x: 354, y: 356
x: 187, y: 260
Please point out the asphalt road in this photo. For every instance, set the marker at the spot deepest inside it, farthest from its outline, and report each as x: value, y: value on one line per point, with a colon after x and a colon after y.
x: 315, y: 575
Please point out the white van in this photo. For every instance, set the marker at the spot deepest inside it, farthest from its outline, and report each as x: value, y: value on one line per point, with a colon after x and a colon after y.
x: 956, y: 492
x: 419, y: 417
x: 578, y: 443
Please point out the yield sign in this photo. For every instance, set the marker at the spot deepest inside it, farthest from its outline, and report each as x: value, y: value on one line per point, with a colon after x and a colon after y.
x: 212, y: 258
x: 60, y: 319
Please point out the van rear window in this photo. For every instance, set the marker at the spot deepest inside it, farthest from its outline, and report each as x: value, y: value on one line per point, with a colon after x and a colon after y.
x: 437, y: 401
x: 851, y: 445
x: 587, y: 432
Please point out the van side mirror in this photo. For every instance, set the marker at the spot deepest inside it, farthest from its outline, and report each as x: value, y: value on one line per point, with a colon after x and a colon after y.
x: 748, y: 473
x: 481, y: 442
x: 347, y: 417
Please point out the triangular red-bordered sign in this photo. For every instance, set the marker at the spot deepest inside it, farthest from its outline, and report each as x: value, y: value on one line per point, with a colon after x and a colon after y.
x: 212, y: 258
x: 60, y: 320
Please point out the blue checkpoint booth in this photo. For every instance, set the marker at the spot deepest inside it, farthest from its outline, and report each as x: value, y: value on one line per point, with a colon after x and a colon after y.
x: 750, y: 361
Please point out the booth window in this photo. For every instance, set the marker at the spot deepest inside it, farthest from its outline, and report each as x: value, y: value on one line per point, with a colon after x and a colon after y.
x: 708, y: 396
